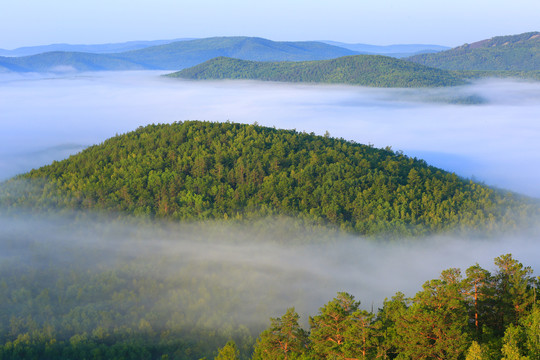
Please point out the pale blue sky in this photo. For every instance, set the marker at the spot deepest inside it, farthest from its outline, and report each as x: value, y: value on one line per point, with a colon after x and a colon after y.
x: 380, y: 22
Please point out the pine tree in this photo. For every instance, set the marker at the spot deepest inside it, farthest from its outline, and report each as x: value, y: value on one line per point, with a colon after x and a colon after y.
x: 284, y: 339
x: 228, y: 352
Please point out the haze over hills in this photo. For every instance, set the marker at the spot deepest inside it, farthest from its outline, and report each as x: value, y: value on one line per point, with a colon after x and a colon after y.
x: 88, y: 48
x: 213, y: 227
x: 201, y: 170
x: 365, y: 70
x: 506, y: 56
x: 399, y: 51
x: 59, y: 61
x: 179, y: 55
x: 511, y: 53
x: 184, y: 54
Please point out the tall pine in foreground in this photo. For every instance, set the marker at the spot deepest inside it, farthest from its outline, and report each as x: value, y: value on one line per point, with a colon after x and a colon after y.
x: 440, y: 322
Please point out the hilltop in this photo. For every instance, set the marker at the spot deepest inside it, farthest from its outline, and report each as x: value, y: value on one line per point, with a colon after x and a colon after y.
x: 201, y: 170
x: 59, y: 61
x: 178, y: 55
x: 365, y: 70
x: 397, y: 51
x: 503, y: 53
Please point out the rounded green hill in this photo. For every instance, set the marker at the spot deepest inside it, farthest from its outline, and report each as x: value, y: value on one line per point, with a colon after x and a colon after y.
x: 203, y: 170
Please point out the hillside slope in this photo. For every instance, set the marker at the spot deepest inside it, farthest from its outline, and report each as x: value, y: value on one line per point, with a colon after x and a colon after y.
x: 201, y: 170
x: 510, y: 53
x: 366, y: 70
x: 397, y: 51
x: 67, y: 61
x: 87, y: 48
x: 178, y: 55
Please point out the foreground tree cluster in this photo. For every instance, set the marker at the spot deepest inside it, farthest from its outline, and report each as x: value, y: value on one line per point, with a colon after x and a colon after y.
x: 132, y: 312
x: 202, y: 170
x: 479, y: 316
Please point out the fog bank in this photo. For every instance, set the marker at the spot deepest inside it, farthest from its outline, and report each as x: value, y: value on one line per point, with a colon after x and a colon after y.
x: 495, y: 142
x: 269, y: 265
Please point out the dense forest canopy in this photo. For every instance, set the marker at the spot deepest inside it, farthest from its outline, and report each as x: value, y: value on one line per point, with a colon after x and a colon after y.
x: 203, y: 170
x: 113, y: 290
x: 365, y: 70
x: 476, y: 315
x: 518, y: 53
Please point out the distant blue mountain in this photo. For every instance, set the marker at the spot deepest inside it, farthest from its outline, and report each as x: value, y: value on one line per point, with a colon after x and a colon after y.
x: 95, y: 49
x: 397, y: 51
x: 58, y: 61
x: 177, y: 55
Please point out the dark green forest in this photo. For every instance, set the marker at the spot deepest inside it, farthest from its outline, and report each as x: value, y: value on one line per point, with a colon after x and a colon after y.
x: 476, y: 316
x: 137, y: 294
x: 365, y: 70
x: 201, y: 170
x: 518, y: 53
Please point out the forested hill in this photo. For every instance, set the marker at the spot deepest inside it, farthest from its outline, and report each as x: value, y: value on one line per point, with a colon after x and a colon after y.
x: 366, y: 70
x: 177, y: 55
x: 510, y: 53
x: 203, y: 170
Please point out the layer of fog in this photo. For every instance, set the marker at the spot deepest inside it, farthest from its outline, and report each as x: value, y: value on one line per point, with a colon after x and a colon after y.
x: 269, y: 266
x: 496, y: 142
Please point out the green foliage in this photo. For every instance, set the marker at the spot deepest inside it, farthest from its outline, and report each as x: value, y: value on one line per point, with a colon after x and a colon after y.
x: 333, y: 331
x: 284, y: 339
x: 501, y: 74
x: 228, y: 352
x: 531, y: 328
x: 366, y: 70
x: 201, y: 170
x: 58, y: 302
x: 475, y: 352
x: 515, y: 53
x: 434, y: 324
x: 513, y: 340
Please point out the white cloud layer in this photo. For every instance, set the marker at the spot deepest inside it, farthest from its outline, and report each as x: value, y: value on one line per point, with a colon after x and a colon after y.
x: 44, y: 119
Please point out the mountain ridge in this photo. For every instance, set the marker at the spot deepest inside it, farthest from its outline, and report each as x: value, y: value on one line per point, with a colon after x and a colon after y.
x: 501, y: 53
x: 178, y: 55
x: 364, y: 70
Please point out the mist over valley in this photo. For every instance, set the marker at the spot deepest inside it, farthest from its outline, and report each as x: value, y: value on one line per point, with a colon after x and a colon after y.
x: 494, y: 142
x: 80, y: 280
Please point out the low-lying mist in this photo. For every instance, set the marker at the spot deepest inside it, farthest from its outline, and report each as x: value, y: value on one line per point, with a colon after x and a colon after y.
x: 245, y: 273
x: 494, y: 140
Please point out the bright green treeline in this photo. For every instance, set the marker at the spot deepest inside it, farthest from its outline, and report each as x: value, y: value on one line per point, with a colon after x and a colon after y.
x: 480, y: 316
x: 203, y: 170
x: 366, y: 70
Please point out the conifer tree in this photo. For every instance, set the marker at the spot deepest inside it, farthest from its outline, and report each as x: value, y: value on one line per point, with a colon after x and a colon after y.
x: 284, y: 339
x: 228, y: 352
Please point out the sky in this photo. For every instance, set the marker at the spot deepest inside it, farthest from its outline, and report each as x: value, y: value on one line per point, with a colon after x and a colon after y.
x: 381, y: 22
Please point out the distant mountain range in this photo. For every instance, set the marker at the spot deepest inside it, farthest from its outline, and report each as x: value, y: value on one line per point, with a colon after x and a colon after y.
x: 95, y: 48
x: 509, y: 53
x: 177, y: 55
x: 182, y: 53
x: 365, y: 70
x: 398, y: 51
x: 502, y: 56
